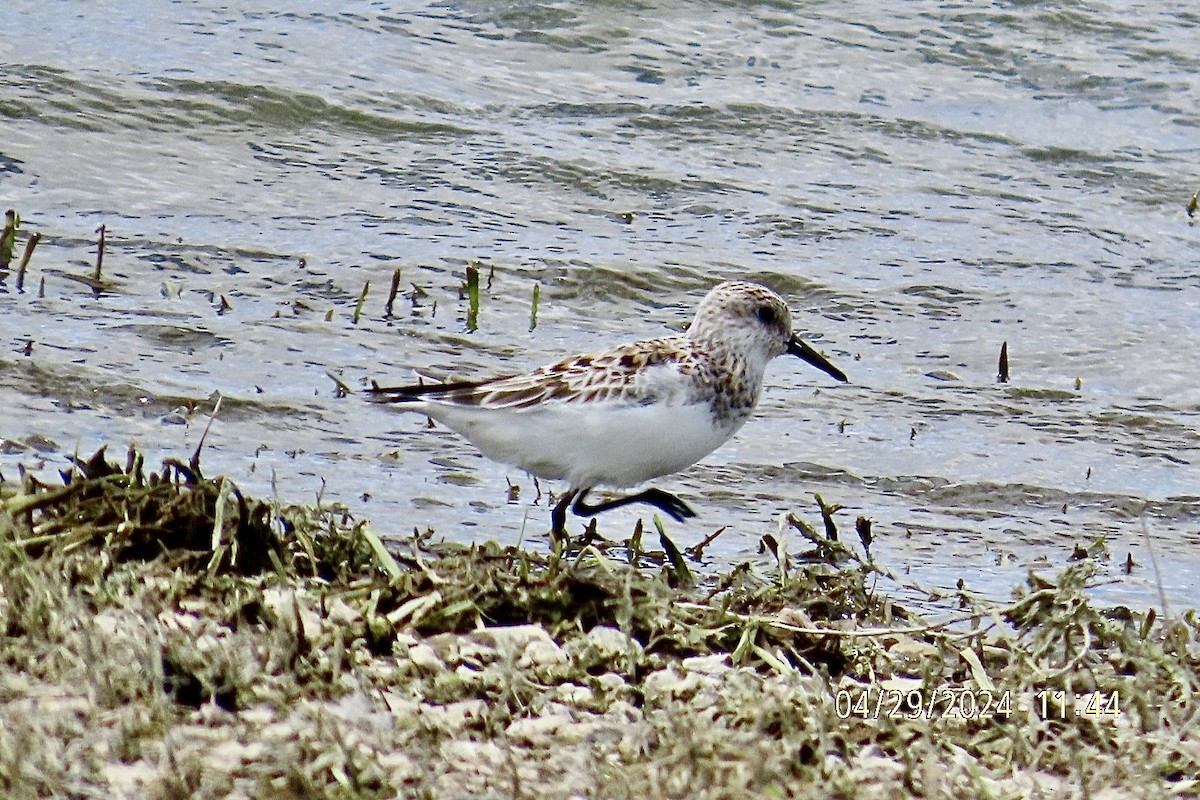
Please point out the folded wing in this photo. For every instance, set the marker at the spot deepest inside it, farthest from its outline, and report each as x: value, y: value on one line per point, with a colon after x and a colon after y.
x: 611, y: 375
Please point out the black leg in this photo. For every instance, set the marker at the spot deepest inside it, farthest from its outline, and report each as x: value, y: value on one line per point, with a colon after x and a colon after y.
x: 663, y: 501
x: 558, y: 517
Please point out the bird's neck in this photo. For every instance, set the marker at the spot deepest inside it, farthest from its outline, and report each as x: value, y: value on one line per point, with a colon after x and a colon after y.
x: 736, y: 382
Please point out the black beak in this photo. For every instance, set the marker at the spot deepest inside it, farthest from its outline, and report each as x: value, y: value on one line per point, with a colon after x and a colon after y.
x: 802, y: 350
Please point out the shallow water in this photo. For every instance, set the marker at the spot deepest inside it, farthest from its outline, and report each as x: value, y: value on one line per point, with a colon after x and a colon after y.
x: 923, y: 183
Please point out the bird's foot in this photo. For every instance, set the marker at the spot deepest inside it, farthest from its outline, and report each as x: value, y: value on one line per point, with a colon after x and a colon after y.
x: 664, y: 501
x: 668, y: 503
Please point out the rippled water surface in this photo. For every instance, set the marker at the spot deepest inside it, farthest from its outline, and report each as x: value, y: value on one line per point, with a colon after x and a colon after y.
x: 922, y: 182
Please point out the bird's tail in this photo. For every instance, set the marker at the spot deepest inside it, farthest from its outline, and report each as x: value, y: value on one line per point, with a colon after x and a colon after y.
x: 416, y: 392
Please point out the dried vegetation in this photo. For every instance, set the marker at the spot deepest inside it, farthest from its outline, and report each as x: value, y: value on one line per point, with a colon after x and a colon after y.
x: 163, y: 636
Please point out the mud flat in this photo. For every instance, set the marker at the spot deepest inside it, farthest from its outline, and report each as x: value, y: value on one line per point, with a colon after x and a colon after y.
x: 164, y: 636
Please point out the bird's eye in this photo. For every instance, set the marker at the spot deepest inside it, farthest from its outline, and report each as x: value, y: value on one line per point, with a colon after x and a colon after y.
x: 767, y: 316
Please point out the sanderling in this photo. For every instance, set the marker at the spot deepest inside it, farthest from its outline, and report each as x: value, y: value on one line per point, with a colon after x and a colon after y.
x: 620, y: 417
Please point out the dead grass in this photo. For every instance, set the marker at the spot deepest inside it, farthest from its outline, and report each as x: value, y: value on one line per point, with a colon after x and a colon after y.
x: 162, y: 635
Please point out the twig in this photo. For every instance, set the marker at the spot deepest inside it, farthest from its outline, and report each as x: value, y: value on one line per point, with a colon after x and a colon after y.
x: 472, y: 297
x: 99, y: 256
x: 827, y: 512
x: 32, y: 243
x: 387, y: 309
x: 194, y: 463
x: 342, y: 388
x: 362, y: 299
x: 697, y: 551
x: 679, y: 567
x: 7, y: 238
x: 874, y: 632
x: 21, y: 504
x: 1162, y: 592
x: 382, y: 557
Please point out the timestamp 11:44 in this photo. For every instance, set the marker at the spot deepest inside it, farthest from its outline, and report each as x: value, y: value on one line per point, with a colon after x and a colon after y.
x: 1061, y: 704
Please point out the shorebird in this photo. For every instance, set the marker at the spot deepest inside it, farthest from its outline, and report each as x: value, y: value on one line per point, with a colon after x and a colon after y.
x: 620, y: 417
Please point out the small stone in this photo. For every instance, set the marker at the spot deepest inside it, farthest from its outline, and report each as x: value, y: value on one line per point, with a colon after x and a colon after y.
x: 900, y: 685
x: 536, y: 730
x: 454, y: 717
x: 231, y: 754
x: 425, y: 658
x: 610, y: 682
x: 285, y: 603
x: 399, y: 765
x: 469, y: 676
x: 483, y: 756
x: 455, y: 649
x: 257, y: 716
x: 539, y: 653
x: 873, y: 761
x: 574, y: 694
x: 604, y: 648
x: 796, y: 617
x: 611, y: 642
x: 403, y: 708
x: 591, y: 731
x: 715, y: 664
x: 912, y: 653
x: 342, y: 614
x: 667, y: 683
x: 511, y: 640
x: 213, y: 715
